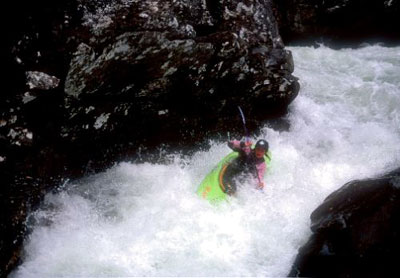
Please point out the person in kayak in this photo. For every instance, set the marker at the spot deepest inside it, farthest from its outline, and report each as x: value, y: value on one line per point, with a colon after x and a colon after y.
x: 250, y: 162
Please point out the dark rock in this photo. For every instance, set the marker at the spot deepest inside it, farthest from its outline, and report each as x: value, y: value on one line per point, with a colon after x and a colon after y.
x: 339, y: 22
x: 138, y: 74
x: 356, y: 232
x: 41, y: 81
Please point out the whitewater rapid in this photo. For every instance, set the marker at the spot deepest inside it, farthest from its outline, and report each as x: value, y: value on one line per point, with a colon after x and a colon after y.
x: 145, y: 219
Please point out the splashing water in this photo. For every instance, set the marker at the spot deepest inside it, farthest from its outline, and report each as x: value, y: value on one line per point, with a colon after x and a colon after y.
x: 145, y: 219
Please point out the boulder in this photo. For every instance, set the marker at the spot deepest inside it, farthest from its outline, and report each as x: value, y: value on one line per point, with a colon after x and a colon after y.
x: 356, y: 232
x: 180, y: 61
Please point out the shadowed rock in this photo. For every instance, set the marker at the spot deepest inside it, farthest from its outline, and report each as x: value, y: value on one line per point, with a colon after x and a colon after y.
x: 356, y: 232
x: 339, y: 22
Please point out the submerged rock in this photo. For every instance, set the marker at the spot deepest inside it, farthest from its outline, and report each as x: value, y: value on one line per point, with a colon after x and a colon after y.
x: 356, y: 232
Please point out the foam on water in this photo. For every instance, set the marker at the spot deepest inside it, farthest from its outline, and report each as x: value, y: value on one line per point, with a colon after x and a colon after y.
x: 145, y: 220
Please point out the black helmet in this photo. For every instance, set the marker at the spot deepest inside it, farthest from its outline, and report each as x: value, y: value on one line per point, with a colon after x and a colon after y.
x: 262, y: 144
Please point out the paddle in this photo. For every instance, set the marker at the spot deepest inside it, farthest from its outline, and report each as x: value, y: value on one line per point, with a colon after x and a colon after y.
x: 247, y: 139
x: 244, y: 124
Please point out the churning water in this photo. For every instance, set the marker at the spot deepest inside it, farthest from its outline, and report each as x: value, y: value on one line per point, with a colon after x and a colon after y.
x: 146, y: 220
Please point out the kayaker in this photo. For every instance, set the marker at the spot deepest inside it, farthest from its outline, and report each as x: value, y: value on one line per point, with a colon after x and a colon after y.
x: 250, y: 162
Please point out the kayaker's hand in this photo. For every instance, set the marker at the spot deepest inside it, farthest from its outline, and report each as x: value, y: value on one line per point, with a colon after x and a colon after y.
x: 244, y: 144
x: 248, y: 143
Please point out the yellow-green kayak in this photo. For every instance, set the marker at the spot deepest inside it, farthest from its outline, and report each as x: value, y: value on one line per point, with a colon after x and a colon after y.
x: 212, y: 186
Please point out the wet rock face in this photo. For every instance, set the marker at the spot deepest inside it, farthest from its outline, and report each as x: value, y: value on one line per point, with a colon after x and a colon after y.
x: 339, y: 21
x: 35, y: 57
x: 89, y: 82
x: 173, y: 70
x: 179, y: 61
x: 356, y: 232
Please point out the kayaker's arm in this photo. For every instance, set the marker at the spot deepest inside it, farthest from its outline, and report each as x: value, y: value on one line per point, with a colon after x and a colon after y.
x: 239, y: 146
x: 260, y: 174
x: 234, y: 145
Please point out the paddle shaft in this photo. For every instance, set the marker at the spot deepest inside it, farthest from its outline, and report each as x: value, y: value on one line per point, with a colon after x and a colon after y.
x: 244, y: 124
x: 247, y: 138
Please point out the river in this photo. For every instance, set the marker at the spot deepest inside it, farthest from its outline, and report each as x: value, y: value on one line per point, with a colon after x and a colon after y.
x: 144, y: 219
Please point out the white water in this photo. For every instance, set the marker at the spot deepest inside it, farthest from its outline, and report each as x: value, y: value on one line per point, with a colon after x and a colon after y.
x: 145, y: 220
